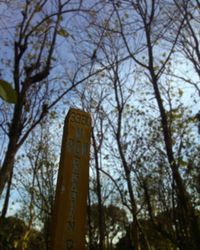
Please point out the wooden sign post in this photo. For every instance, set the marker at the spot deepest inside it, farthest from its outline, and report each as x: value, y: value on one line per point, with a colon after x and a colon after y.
x: 68, y: 232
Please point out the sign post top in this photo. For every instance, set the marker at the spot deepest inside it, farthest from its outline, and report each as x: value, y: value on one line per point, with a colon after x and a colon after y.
x: 79, y: 117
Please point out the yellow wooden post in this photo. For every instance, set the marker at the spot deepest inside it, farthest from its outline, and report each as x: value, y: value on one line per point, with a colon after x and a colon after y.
x: 68, y: 227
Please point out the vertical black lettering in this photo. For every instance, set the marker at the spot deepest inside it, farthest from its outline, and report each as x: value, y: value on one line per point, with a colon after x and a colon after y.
x: 84, y: 149
x: 69, y: 245
x: 79, y: 133
x: 70, y: 145
x: 70, y: 225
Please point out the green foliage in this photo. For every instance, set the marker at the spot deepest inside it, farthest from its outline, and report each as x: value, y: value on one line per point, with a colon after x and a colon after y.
x: 12, y: 231
x: 7, y: 93
x: 63, y: 32
x: 115, y: 221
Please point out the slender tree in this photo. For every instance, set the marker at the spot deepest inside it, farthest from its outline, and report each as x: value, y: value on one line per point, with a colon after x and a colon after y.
x: 150, y: 14
x: 36, y: 36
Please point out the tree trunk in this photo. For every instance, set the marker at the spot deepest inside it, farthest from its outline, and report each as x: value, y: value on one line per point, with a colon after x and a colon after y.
x: 6, y: 202
x: 99, y: 196
x: 191, y: 227
x: 14, y: 135
x: 7, y: 167
x: 89, y: 222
